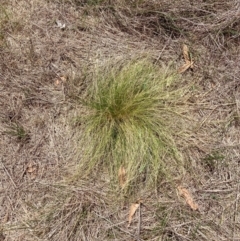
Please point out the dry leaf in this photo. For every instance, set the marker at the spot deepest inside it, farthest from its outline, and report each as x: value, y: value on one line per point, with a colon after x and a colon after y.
x: 186, y: 53
x: 122, y: 176
x: 184, y: 68
x: 188, y: 197
x: 60, y: 80
x: 63, y: 79
x: 57, y: 82
x: 60, y: 25
x: 31, y: 170
x: 188, y: 61
x: 132, y: 211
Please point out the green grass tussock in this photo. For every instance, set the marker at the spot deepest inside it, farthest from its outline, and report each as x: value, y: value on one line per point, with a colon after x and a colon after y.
x: 130, y: 122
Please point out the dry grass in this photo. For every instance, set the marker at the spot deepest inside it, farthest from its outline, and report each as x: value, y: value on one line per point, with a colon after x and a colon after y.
x: 39, y: 143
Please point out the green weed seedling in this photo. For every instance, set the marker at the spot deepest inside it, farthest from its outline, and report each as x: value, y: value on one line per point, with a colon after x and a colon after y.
x: 211, y: 160
x: 18, y: 131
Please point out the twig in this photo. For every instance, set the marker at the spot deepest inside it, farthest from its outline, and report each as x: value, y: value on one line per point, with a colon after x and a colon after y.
x: 5, y: 169
x: 121, y: 229
x: 218, y: 190
x: 160, y: 54
x: 139, y: 222
x: 235, y: 212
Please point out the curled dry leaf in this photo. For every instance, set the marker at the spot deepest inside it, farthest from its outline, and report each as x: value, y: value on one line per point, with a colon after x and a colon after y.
x: 188, y: 197
x: 122, y: 176
x: 133, y: 209
x: 188, y: 61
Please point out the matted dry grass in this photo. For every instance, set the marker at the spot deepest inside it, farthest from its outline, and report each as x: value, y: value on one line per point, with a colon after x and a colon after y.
x: 37, y: 200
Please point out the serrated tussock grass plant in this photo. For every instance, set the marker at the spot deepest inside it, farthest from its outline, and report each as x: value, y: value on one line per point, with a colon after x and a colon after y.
x: 132, y: 116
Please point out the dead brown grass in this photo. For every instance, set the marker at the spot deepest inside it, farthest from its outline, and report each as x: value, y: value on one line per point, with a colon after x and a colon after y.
x: 35, y: 53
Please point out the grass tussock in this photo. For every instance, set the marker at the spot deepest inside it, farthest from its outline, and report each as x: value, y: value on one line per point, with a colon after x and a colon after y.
x: 132, y: 115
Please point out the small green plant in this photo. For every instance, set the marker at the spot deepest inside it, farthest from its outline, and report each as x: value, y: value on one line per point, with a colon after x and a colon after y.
x: 212, y: 160
x: 132, y: 113
x: 18, y: 131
